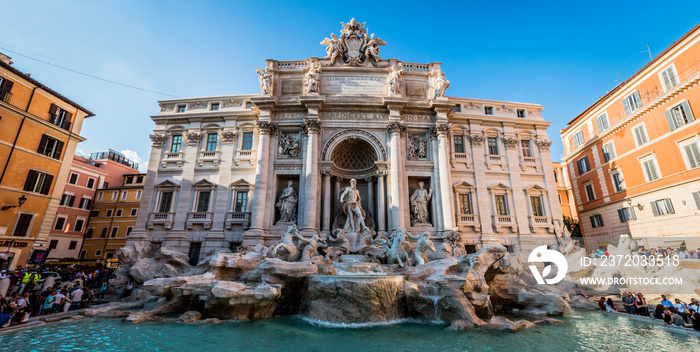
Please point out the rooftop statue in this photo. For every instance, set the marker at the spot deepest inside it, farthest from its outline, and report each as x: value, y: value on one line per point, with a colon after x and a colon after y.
x: 393, y: 79
x: 441, y: 84
x: 354, y: 47
x: 265, y: 78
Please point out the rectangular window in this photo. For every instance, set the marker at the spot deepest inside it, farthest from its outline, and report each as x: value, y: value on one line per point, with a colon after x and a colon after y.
x: 119, y: 212
x: 73, y: 179
x: 651, y: 170
x: 608, y: 151
x: 521, y: 112
x: 99, y: 196
x: 109, y: 213
x: 181, y: 108
x: 125, y: 194
x: 60, y: 117
x: 67, y: 200
x: 134, y: 211
x: 50, y: 147
x: 72, y: 244
x: 669, y: 78
x: 88, y: 233
x: 23, y: 225
x: 493, y: 145
x: 536, y: 203
x: 115, y: 195
x: 459, y: 143
x: 176, y: 145
x: 679, y: 115
x: 82, y: 254
x: 203, y: 201
x: 6, y: 90
x: 578, y: 139
x: 166, y: 199
x: 104, y: 232
x: 128, y: 180
x: 488, y: 110
x: 602, y: 122
x: 589, y: 192
x: 38, y: 182
x: 527, y: 151
x: 211, y: 142
x: 662, y: 207
x: 597, y: 220
x: 626, y: 214
x: 501, y: 204
x: 582, y: 165
x: 91, y: 183
x: 241, y: 202
x: 618, y: 182
x: 85, y: 203
x: 640, y: 135
x: 696, y: 196
x: 465, y: 203
x: 94, y: 213
x: 98, y: 252
x: 53, y: 244
x: 247, y: 141
x: 79, y: 225
x: 139, y: 179
x: 214, y: 106
x: 114, y: 232
x: 632, y: 102
x: 60, y: 224
x: 128, y: 230
x: 138, y: 194
x: 692, y: 154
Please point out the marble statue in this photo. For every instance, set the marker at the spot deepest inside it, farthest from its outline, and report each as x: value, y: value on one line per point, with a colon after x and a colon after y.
x: 287, y: 204
x: 372, y: 47
x: 310, y: 248
x: 392, y: 81
x: 441, y: 84
x: 339, y: 244
x: 419, y: 205
x: 286, y: 248
x: 265, y: 78
x: 334, y: 48
x: 289, y: 145
x: 423, y: 244
x: 352, y: 207
x: 418, y: 147
x: 397, y: 253
x: 311, y: 78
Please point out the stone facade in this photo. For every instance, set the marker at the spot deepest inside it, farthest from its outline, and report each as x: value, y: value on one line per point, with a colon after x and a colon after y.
x: 219, y: 165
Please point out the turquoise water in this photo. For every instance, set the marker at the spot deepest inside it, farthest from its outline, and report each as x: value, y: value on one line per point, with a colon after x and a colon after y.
x: 591, y: 331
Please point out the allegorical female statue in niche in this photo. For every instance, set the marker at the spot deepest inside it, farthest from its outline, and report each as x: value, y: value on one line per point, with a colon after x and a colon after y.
x: 287, y: 204
x: 419, y: 205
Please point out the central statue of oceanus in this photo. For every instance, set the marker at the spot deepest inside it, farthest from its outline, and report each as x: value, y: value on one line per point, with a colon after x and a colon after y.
x: 352, y: 207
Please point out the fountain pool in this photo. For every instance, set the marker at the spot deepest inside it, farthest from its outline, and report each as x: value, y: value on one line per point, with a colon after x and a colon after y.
x: 590, y: 331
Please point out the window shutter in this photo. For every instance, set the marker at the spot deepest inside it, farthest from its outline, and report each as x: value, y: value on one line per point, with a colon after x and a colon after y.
x: 669, y: 119
x: 633, y: 215
x: 52, y: 112
x: 626, y: 105
x: 592, y: 221
x: 654, y: 208
x: 42, y: 144
x: 599, y: 122
x: 578, y: 166
x: 59, y: 150
x: 669, y: 206
x: 31, y: 178
x: 620, y: 214
x: 664, y: 75
x: 88, y: 204
x: 688, y: 112
x: 611, y: 151
x: 47, y: 184
x: 696, y: 195
x: 72, y: 201
x: 5, y: 87
x: 638, y: 99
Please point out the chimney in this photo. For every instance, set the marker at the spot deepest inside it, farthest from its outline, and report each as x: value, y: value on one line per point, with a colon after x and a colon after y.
x: 6, y: 59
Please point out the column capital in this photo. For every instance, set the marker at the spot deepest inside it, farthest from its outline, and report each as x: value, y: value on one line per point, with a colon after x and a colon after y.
x: 265, y: 127
x: 396, y: 127
x: 476, y: 139
x: 544, y: 144
x: 326, y: 172
x: 441, y: 129
x: 228, y: 136
x: 510, y: 142
x: 369, y: 178
x: 311, y: 126
x: 382, y: 173
x: 158, y: 139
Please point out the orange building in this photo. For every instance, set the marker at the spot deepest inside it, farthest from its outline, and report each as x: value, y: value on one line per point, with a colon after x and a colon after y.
x: 634, y: 155
x: 564, y: 191
x: 39, y: 131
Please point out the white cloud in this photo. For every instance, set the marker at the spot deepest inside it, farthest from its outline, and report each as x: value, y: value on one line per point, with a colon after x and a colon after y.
x: 133, y: 156
x: 82, y: 153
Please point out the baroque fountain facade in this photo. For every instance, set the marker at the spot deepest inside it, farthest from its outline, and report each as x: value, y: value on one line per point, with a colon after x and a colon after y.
x: 350, y: 189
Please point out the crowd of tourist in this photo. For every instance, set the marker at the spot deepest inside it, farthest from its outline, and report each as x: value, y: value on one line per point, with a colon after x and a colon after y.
x: 654, y: 252
x: 676, y: 313
x: 26, y: 298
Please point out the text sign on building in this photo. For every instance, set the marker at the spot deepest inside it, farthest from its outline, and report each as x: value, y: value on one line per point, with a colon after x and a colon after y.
x: 353, y: 85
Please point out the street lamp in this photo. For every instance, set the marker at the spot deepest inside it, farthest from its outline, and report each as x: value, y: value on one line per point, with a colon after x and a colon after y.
x: 21, y: 199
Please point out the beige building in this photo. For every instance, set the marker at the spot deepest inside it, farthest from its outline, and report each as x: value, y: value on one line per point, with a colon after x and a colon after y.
x: 240, y: 169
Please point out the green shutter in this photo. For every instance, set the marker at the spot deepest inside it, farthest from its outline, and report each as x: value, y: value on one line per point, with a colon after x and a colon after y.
x: 633, y: 215
x: 669, y: 119
x: 626, y: 105
x: 688, y: 112
x: 620, y: 214
x: 637, y: 98
x: 696, y: 195
x: 654, y: 208
x: 669, y: 206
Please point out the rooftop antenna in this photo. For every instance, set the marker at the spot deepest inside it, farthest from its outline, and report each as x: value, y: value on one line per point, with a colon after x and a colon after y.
x: 647, y: 51
x: 618, y: 78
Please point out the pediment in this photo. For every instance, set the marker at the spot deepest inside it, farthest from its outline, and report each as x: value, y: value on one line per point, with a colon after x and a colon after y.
x: 240, y: 182
x: 499, y: 186
x: 535, y: 188
x: 167, y: 184
x: 463, y: 185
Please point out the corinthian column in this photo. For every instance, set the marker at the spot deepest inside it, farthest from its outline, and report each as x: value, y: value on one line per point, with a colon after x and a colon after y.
x: 259, y: 205
x: 381, y: 205
x: 395, y: 129
x: 311, y: 127
x: 326, y: 200
x: 443, y: 130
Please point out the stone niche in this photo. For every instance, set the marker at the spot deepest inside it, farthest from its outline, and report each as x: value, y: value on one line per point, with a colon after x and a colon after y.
x: 412, y: 187
x: 282, y: 184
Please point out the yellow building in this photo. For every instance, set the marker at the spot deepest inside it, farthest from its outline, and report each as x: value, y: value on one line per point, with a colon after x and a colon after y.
x: 113, y: 218
x: 39, y: 131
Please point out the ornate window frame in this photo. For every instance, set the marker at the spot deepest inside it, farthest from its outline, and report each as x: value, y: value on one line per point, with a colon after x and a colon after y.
x: 246, y: 155
x: 465, y: 188
x: 494, y: 159
x: 460, y: 158
x: 500, y: 221
x: 204, y: 218
x: 163, y: 218
x: 238, y: 218
x: 537, y: 222
x: 210, y: 156
x: 168, y: 157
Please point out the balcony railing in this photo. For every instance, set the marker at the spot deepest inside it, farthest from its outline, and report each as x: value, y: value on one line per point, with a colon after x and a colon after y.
x: 461, y: 158
x: 161, y: 218
x: 292, y: 65
x: 237, y: 218
x: 7, y: 97
x: 541, y: 222
x: 244, y: 155
x: 493, y: 159
x: 500, y: 221
x: 208, y: 156
x: 528, y: 161
x: 173, y: 158
x: 203, y: 218
x: 469, y: 220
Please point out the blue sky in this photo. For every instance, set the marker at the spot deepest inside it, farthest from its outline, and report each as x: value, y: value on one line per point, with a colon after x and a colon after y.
x: 563, y: 55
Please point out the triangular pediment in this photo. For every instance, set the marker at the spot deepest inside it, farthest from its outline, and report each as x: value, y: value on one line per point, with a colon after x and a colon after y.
x: 535, y: 188
x: 499, y: 186
x: 204, y: 183
x: 167, y: 183
x: 240, y: 182
x: 463, y: 185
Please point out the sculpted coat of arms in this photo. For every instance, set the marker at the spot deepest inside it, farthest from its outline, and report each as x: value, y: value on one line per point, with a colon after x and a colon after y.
x: 354, y: 47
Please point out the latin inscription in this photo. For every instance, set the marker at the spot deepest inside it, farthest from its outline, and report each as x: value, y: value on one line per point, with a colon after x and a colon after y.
x: 353, y: 85
x: 351, y: 115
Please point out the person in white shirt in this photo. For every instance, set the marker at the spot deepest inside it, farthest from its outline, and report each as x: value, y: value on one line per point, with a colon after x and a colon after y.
x: 24, y: 301
x: 76, y: 296
x: 58, y: 301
